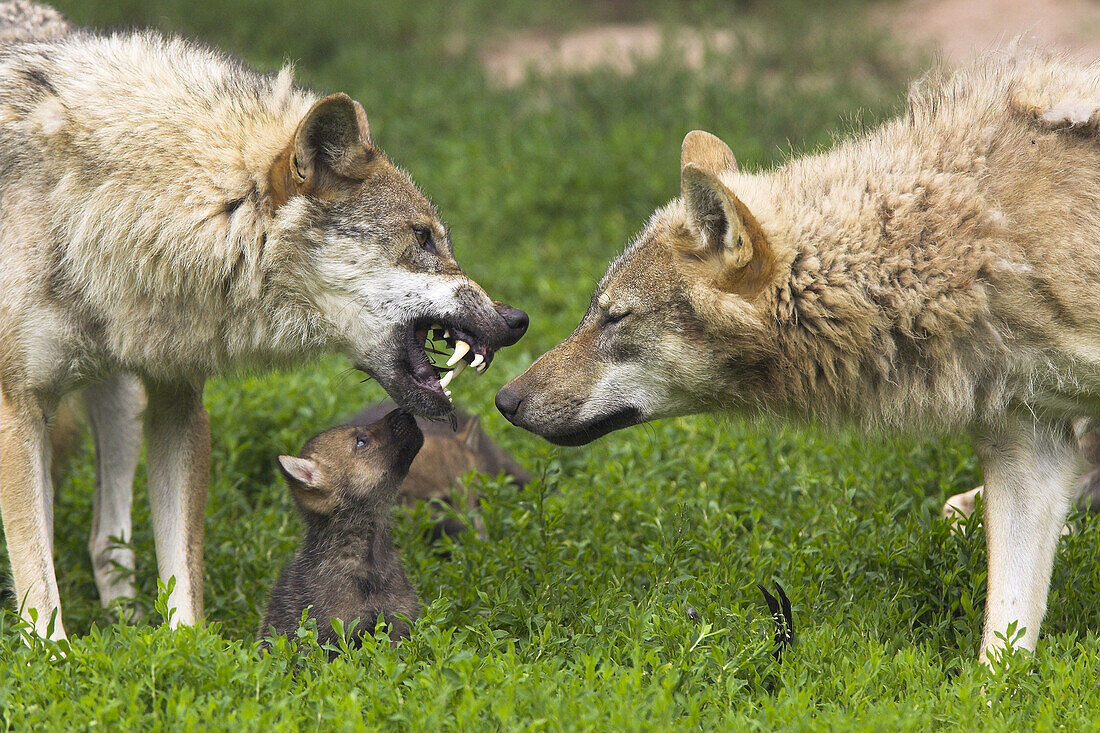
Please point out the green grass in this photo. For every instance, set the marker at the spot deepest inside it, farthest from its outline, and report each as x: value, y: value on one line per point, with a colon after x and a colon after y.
x: 619, y: 590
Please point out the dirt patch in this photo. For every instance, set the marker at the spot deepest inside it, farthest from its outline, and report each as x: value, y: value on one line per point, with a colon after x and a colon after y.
x: 953, y: 29
x: 616, y: 46
x: 958, y: 29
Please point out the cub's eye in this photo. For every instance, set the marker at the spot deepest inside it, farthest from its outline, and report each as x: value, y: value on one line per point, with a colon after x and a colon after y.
x: 423, y: 237
x: 361, y: 441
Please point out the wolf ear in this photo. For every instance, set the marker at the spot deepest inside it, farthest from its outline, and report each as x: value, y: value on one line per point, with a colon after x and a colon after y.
x: 714, y: 212
x: 471, y: 435
x: 707, y: 152
x: 302, y: 470
x: 332, y: 142
x: 333, y: 135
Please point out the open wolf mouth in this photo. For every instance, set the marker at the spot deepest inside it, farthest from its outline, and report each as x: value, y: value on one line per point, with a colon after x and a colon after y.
x: 424, y: 385
x: 467, y: 349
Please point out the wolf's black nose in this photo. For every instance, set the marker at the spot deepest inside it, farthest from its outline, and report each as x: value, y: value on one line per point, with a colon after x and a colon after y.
x: 508, y: 401
x: 516, y: 320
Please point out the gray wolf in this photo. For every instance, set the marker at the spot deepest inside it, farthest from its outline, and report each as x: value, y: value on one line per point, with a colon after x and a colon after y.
x: 936, y: 274
x: 447, y: 456
x: 344, y: 483
x: 167, y: 213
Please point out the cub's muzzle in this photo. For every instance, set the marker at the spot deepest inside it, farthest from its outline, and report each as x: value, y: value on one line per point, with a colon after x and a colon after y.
x: 407, y: 438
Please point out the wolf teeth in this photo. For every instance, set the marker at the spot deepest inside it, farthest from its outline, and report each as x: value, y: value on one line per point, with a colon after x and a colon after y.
x: 452, y: 374
x: 457, y: 362
x: 461, y: 349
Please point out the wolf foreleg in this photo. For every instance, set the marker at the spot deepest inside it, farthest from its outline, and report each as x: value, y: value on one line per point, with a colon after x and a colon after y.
x: 1031, y: 476
x: 114, y: 410
x: 177, y: 434
x: 26, y: 502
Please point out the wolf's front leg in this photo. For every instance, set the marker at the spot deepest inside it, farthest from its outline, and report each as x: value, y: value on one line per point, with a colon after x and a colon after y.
x: 114, y: 410
x: 26, y: 502
x: 1031, y: 474
x: 177, y: 453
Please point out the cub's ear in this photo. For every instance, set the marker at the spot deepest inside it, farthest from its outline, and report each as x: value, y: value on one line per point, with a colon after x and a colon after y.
x: 301, y: 470
x: 724, y: 225
x: 331, y: 144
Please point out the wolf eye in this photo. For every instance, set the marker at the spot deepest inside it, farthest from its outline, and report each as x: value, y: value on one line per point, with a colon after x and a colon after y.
x: 614, y: 316
x: 423, y: 237
x: 361, y: 441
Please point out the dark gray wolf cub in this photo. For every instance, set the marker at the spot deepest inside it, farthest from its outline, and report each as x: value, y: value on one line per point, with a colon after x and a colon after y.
x: 345, y: 482
x: 448, y: 455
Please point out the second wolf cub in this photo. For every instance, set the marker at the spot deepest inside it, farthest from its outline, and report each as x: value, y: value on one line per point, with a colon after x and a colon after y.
x: 345, y: 482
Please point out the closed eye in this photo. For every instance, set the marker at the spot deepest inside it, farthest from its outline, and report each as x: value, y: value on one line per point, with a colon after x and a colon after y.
x: 611, y: 318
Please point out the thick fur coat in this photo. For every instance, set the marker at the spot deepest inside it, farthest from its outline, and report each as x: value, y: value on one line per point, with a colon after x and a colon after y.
x: 936, y: 274
x: 167, y: 213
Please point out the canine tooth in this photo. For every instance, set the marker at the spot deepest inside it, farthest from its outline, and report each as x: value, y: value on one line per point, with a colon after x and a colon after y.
x: 461, y: 349
x: 477, y: 360
x: 452, y: 374
x: 446, y: 333
x: 481, y: 368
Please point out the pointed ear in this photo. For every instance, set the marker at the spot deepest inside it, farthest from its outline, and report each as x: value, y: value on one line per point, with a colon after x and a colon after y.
x: 333, y: 135
x: 471, y: 435
x: 301, y: 470
x: 332, y: 142
x: 707, y: 151
x: 714, y: 212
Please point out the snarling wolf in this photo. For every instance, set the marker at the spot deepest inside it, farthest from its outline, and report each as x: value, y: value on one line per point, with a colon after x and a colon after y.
x: 344, y: 483
x: 936, y: 274
x: 167, y: 213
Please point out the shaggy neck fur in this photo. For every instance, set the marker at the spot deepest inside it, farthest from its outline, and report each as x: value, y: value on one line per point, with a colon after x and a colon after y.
x: 891, y: 248
x: 167, y: 148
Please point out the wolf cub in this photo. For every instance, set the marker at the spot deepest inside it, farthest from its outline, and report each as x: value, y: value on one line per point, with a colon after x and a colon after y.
x: 345, y: 482
x: 448, y: 454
